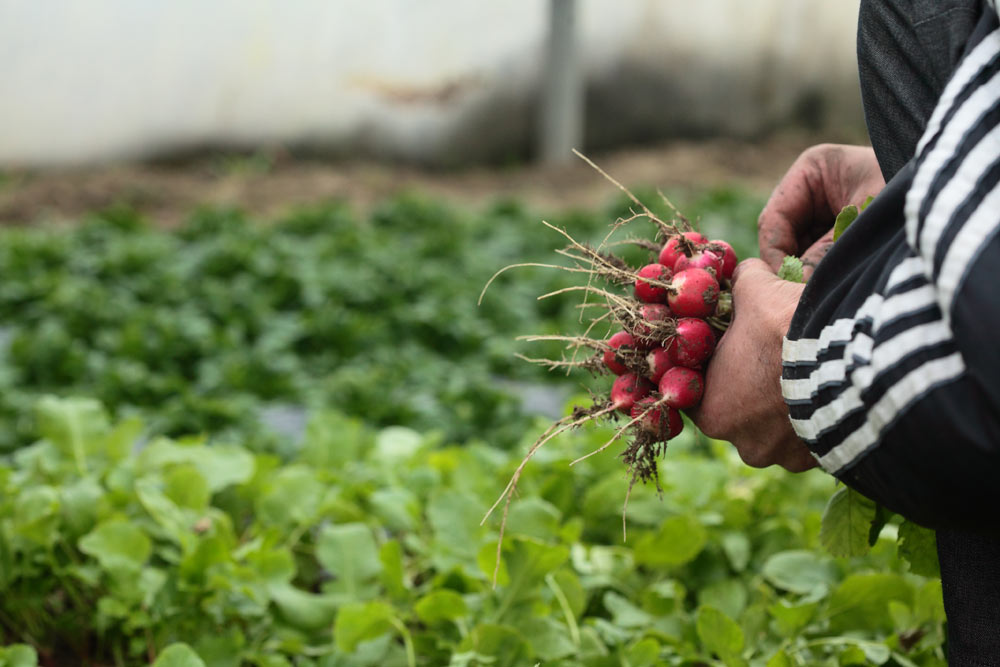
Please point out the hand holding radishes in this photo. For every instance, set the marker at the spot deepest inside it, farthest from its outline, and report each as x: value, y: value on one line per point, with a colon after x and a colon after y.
x: 742, y: 402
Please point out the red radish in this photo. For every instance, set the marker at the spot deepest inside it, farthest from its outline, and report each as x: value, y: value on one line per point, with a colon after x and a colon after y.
x: 660, y: 421
x: 650, y: 313
x: 681, y: 387
x: 706, y: 258
x: 627, y: 389
x: 644, y: 291
x: 693, y: 293
x: 693, y: 344
x: 672, y: 248
x: 729, y: 260
x: 658, y: 361
x: 612, y: 358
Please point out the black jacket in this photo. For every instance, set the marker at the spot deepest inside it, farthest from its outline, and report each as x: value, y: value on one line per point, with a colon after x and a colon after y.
x: 891, y: 366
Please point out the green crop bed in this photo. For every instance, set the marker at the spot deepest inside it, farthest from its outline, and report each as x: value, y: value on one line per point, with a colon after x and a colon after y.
x: 152, y: 512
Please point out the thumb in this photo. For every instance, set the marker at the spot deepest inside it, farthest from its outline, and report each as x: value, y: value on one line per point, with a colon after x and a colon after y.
x: 752, y: 270
x: 755, y: 286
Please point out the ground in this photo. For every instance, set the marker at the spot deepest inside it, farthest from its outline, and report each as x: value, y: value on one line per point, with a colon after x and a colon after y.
x: 266, y: 183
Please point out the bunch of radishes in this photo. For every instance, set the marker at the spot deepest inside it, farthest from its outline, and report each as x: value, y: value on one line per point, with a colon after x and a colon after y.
x: 669, y: 333
x: 667, y: 319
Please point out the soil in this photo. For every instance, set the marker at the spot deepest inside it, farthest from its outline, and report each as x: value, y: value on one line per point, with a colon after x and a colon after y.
x: 269, y: 182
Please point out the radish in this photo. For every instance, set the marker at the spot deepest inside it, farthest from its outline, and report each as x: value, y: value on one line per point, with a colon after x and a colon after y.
x: 705, y: 258
x: 659, y: 421
x: 658, y: 361
x: 627, y: 389
x: 693, y: 293
x: 650, y: 316
x: 729, y: 259
x: 613, y: 358
x: 674, y: 247
x: 681, y: 387
x: 649, y: 293
x: 693, y: 343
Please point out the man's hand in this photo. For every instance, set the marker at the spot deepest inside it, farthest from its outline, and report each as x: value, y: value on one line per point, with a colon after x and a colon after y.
x: 798, y: 218
x: 742, y: 401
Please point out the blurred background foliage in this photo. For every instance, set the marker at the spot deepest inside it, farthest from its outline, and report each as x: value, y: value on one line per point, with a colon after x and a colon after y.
x: 204, y: 327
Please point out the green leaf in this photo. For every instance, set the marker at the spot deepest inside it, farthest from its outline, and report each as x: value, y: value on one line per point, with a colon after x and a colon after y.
x: 928, y: 605
x: 36, y: 514
x: 151, y: 582
x: 360, y: 621
x: 736, y: 545
x: 726, y: 595
x: 534, y: 517
x: 332, y: 440
x: 76, y: 426
x: 790, y: 618
x: 791, y: 269
x: 440, y: 606
x: 918, y: 547
x: 274, y: 565
x: 527, y: 562
x: 852, y: 655
x: 862, y: 600
x: 81, y: 502
x: 294, y: 497
x: 390, y: 556
x: 625, y: 614
x: 396, y: 444
x: 221, y: 649
x: 163, y: 510
x: 178, y: 655
x: 643, y: 653
x: 780, y: 659
x: 548, y: 638
x: 719, y: 634
x: 186, y: 486
x: 454, y: 518
x: 221, y: 465
x: 123, y: 437
x: 664, y: 598
x: 567, y: 586
x: 303, y: 610
x: 397, y: 508
x: 878, y: 654
x: 117, y: 544
x: 847, y: 522
x: 497, y: 645
x: 678, y: 541
x: 847, y: 215
x: 882, y: 517
x: 18, y: 655
x: 798, y: 571
x: 349, y: 553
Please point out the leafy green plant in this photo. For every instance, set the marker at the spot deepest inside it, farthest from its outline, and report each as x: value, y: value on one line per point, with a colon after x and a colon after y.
x: 364, y: 547
x: 198, y: 328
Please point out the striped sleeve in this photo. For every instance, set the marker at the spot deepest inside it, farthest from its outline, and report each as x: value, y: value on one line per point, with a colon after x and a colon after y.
x: 928, y: 322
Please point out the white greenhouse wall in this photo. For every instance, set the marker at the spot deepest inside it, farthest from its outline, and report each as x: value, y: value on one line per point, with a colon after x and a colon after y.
x: 438, y: 81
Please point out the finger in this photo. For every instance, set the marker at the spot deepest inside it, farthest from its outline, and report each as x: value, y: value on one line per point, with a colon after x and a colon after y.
x: 812, y: 256
x: 775, y: 236
x: 789, y: 207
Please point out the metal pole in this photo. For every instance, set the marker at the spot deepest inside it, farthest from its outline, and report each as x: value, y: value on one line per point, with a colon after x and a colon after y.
x: 561, y: 127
